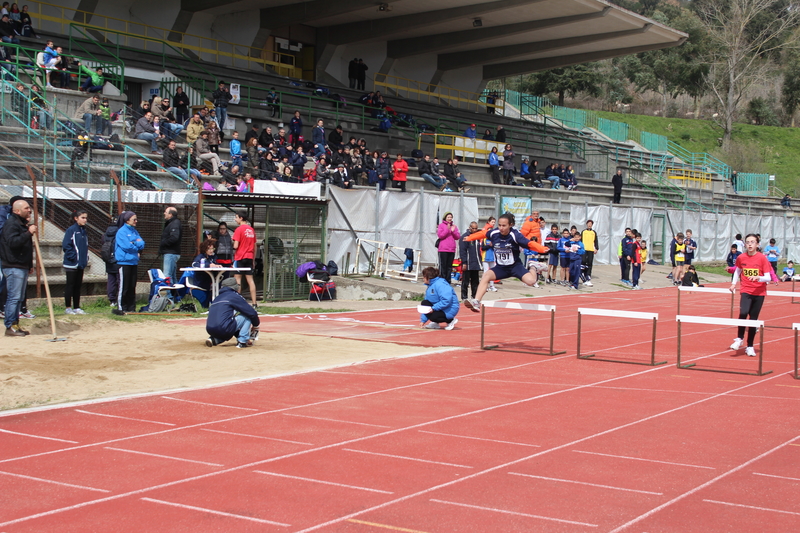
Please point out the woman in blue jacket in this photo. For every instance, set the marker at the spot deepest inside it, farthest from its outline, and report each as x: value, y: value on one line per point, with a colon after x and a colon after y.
x: 128, y: 246
x: 76, y: 257
x: 440, y: 303
x: 494, y: 164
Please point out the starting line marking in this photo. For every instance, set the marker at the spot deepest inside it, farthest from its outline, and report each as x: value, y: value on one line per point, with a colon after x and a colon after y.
x: 561, y: 520
x: 123, y: 417
x: 586, y: 483
x: 385, y: 526
x: 479, y: 438
x: 753, y: 507
x: 38, y: 436
x: 161, y: 456
x: 335, y: 420
x: 211, y: 404
x: 193, y: 508
x: 255, y: 436
x: 406, y: 458
x: 773, y: 475
x: 642, y: 459
x: 54, y: 482
x: 321, y: 482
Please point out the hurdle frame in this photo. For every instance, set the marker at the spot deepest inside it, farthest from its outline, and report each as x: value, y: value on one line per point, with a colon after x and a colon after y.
x: 735, y: 322
x: 620, y: 314
x: 530, y: 307
x: 714, y: 290
x: 796, y: 374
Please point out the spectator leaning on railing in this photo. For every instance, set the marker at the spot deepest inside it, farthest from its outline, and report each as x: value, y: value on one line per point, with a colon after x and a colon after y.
x: 94, y: 81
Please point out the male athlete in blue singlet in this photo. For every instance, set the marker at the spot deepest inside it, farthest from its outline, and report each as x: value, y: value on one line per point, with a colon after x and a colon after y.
x: 506, y: 242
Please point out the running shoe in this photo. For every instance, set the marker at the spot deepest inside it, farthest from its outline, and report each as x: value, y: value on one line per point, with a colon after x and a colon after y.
x: 750, y: 351
x: 210, y: 342
x: 118, y: 312
x: 244, y: 344
x: 588, y: 284
x: 28, y: 315
x: 432, y: 325
x: 473, y: 304
x: 451, y: 325
x: 493, y: 289
x: 79, y: 311
x: 69, y: 311
x: 537, y: 286
x: 669, y: 276
x: 737, y: 343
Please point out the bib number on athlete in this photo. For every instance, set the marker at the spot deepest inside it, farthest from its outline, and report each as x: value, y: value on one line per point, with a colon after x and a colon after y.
x: 504, y: 257
x: 751, y: 272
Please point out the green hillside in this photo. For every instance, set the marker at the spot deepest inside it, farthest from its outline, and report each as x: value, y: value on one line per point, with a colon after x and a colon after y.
x: 778, y: 147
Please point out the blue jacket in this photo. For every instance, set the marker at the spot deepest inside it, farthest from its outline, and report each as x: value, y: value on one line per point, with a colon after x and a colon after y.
x: 203, y: 279
x: 562, y: 243
x: 128, y: 244
x: 296, y: 126
x: 442, y: 298
x: 76, y: 247
x: 577, y: 256
x: 472, y: 133
x: 318, y: 135
x: 524, y: 169
x: 493, y: 159
x: 236, y: 147
x: 221, y: 323
x: 627, y: 246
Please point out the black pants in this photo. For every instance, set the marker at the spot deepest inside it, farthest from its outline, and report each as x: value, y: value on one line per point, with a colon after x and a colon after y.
x: 588, y: 260
x: 436, y: 316
x: 617, y: 195
x: 446, y: 264
x: 126, y: 300
x: 72, y: 289
x: 470, y: 279
x: 625, y: 265
x: 400, y: 185
x: 508, y: 176
x: 495, y: 174
x: 749, y: 305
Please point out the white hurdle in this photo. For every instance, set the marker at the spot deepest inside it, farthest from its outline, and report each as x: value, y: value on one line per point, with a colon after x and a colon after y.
x: 524, y: 307
x: 619, y: 314
x: 795, y: 327
x: 707, y: 290
x: 733, y: 322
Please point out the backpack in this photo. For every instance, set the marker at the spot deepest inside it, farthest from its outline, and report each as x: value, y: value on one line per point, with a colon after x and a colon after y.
x: 333, y: 268
x: 158, y: 302
x: 107, y: 251
x: 417, y: 153
x: 5, y: 211
x: 141, y: 164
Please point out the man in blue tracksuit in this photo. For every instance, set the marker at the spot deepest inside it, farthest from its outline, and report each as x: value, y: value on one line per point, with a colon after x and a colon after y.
x: 575, y: 252
x: 229, y: 315
x: 627, y: 253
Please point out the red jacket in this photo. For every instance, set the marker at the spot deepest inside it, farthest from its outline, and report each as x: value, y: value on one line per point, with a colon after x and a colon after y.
x: 400, y: 170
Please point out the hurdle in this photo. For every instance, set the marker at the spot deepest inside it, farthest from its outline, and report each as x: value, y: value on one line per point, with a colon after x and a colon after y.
x: 525, y: 307
x: 706, y: 290
x: 795, y: 327
x: 733, y: 322
x: 619, y: 314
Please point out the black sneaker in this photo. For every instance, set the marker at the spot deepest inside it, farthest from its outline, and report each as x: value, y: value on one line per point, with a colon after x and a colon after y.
x: 211, y: 342
x: 244, y: 344
x: 118, y: 312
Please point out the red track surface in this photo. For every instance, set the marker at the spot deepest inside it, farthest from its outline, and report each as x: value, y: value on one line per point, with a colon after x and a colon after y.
x: 464, y: 440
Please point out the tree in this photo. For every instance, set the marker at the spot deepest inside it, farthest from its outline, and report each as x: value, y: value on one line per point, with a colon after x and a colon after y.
x: 790, y: 92
x: 760, y: 112
x: 744, y: 35
x: 583, y: 78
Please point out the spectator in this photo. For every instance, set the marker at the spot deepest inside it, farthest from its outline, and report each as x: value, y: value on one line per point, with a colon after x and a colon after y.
x: 318, y: 137
x: 690, y: 279
x: 253, y: 156
x: 242, y: 183
x: 367, y: 99
x: 224, y: 245
x: 739, y: 243
x: 733, y: 183
x: 244, y: 246
x: 383, y: 168
x: 400, y: 168
x: 253, y: 133
x: 287, y: 174
x: 691, y: 248
x: 16, y: 258
x: 508, y: 165
x: 341, y: 178
x: 591, y: 244
x: 295, y: 129
x: 440, y: 304
x: 470, y: 254
x: 575, y: 252
x: 105, y: 117
x: 172, y: 160
x: 206, y: 258
x: 335, y: 138
x: 235, y: 149
x: 471, y: 132
x: 494, y: 166
x: 448, y: 235
x: 678, y: 252
x: 221, y: 97
x: 570, y: 179
x: 731, y: 259
x: 273, y: 101
x: 191, y: 164
x: 529, y: 172
x: 773, y: 254
x: 531, y: 227
x: 112, y: 270
x: 181, y: 103
x: 229, y: 316
x: 169, y: 126
x: 491, y: 101
x: 7, y: 32
x: 127, y: 249
x: 500, y: 136
x: 41, y: 108
x: 454, y: 176
x: 170, y: 246
x: 562, y: 175
x: 551, y: 175
x: 267, y: 170
x: 50, y: 55
x: 362, y: 69
x: 20, y: 104
x: 89, y: 113
x: 214, y: 137
x: 94, y: 81
x: 146, y: 132
x: 204, y: 152
x: 788, y: 272
x: 786, y: 201
x: 26, y: 24
x: 616, y: 182
x: 487, y: 135
x: 551, y: 242
x: 60, y: 74
x: 280, y: 138
x: 426, y: 173
x: 369, y: 166
x: 195, y: 128
x: 352, y: 72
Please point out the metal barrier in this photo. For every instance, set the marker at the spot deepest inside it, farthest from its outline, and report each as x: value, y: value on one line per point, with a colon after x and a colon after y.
x: 439, y: 94
x: 707, y: 290
x: 698, y: 179
x: 524, y: 307
x: 734, y: 322
x: 611, y: 313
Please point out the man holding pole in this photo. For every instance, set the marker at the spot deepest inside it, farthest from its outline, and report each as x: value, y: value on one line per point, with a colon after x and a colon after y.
x: 16, y: 258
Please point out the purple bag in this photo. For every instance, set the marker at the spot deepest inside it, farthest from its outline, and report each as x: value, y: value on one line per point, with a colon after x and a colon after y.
x: 303, y: 269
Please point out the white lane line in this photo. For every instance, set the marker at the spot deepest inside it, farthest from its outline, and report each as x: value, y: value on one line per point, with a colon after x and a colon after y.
x: 778, y: 477
x: 561, y: 520
x: 707, y: 483
x: 647, y: 460
x: 585, y: 483
x: 220, y: 513
x: 161, y: 456
x: 322, y: 482
x: 255, y: 436
x: 211, y: 404
x: 53, y: 482
x: 340, y: 421
x: 753, y: 507
x: 123, y: 417
x: 380, y: 375
x: 37, y: 436
x: 406, y: 458
x: 479, y: 438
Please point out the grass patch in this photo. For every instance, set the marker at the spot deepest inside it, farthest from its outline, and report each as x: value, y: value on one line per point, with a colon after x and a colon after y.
x: 721, y: 270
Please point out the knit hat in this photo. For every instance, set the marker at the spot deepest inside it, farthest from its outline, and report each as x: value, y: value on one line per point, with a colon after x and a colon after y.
x: 230, y: 282
x: 124, y: 218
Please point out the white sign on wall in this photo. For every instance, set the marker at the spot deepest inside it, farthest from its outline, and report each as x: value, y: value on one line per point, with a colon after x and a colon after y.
x: 235, y: 92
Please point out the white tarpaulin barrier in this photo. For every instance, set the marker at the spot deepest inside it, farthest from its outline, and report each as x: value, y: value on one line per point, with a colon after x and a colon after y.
x: 310, y: 189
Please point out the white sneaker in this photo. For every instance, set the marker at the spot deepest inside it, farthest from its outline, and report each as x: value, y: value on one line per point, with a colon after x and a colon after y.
x: 473, y: 304
x: 493, y: 289
x: 737, y: 343
x: 451, y: 325
x: 78, y: 311
x: 588, y: 284
x: 432, y: 325
x: 536, y: 286
x: 750, y: 351
x: 69, y: 311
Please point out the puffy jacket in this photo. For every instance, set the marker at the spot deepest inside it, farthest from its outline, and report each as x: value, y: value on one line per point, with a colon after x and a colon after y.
x: 16, y: 244
x: 400, y: 170
x: 201, y: 146
x: 128, y: 244
x: 470, y: 254
x: 171, y: 237
x: 447, y: 238
x: 442, y: 298
x: 111, y: 235
x: 318, y: 135
x: 88, y: 106
x: 181, y: 103
x: 296, y: 126
x: 143, y: 126
x: 508, y: 160
x: 493, y: 159
x: 424, y: 167
x: 383, y: 168
x: 530, y: 229
x: 97, y: 79
x: 193, y: 131
x: 221, y: 323
x: 76, y: 248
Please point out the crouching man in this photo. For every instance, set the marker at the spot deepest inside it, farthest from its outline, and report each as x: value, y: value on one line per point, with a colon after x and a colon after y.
x: 229, y: 315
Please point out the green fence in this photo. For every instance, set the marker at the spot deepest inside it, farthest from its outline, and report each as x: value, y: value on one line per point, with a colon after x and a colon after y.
x: 748, y: 184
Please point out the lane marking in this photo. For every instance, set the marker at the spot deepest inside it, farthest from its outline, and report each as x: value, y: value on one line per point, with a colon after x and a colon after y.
x: 123, y: 417
x: 647, y: 460
x: 793, y: 386
x: 335, y: 420
x: 220, y: 513
x: 211, y: 404
x: 385, y: 526
x: 479, y: 438
x: 779, y: 477
x: 732, y: 380
x: 380, y: 375
x: 255, y: 436
x: 322, y: 482
x: 586, y: 483
x: 38, y: 436
x: 161, y: 456
x: 704, y: 485
x: 676, y: 376
x: 561, y: 520
x: 404, y: 457
x: 54, y: 482
x: 753, y: 507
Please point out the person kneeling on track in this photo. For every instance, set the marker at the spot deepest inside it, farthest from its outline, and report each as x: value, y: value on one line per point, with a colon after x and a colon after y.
x: 440, y: 303
x: 230, y: 315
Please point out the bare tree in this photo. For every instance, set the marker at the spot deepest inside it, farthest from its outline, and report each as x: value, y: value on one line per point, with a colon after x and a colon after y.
x: 744, y: 34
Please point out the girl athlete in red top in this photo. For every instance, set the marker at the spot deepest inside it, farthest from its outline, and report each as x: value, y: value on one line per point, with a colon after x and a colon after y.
x: 505, y: 242
x: 754, y: 272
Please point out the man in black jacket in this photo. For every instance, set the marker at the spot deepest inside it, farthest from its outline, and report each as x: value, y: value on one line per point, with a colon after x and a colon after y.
x: 170, y: 246
x: 470, y: 254
x: 361, y: 70
x: 16, y: 258
x: 172, y: 161
x: 181, y: 104
x: 352, y: 73
x: 616, y: 182
x: 230, y: 315
x: 342, y: 177
x: 500, y: 136
x: 221, y: 97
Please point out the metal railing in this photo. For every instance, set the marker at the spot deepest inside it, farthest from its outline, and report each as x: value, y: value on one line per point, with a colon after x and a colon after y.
x: 748, y: 184
x: 702, y: 161
x: 438, y: 94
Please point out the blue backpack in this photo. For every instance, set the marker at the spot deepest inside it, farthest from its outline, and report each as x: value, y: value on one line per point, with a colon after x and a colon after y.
x: 5, y: 212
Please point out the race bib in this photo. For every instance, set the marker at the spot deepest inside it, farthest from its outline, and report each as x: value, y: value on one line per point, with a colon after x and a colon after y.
x: 751, y: 272
x: 504, y: 257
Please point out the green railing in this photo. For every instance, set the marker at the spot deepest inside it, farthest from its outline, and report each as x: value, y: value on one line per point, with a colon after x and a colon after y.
x: 658, y: 185
x: 113, y: 72
x: 701, y: 161
x: 748, y: 184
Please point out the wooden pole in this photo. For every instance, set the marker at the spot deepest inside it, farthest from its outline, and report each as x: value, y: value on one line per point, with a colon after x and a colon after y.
x: 36, y: 223
x: 46, y: 289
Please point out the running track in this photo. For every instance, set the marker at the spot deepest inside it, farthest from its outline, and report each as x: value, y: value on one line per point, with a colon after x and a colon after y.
x: 461, y: 440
